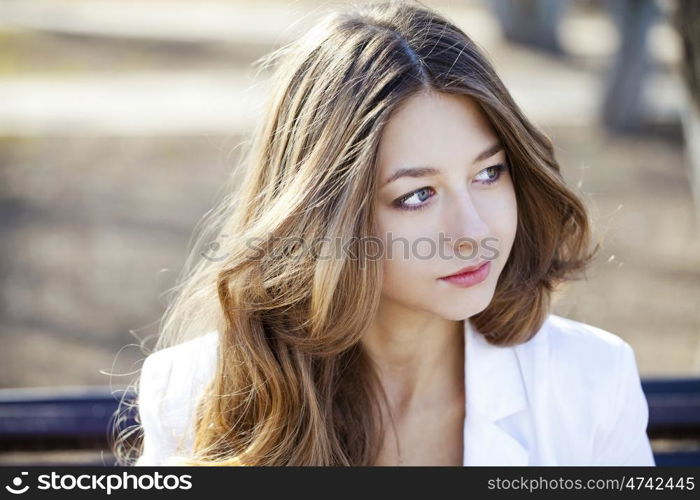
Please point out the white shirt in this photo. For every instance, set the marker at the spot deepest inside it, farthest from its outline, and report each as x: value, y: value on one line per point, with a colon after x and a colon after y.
x: 571, y: 395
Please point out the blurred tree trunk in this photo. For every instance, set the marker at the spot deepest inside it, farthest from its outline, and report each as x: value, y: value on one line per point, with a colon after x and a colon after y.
x: 687, y: 21
x: 623, y: 106
x: 531, y: 22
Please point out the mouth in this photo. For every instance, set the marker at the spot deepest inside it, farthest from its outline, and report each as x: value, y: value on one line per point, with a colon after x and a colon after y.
x: 469, y: 276
x: 466, y: 270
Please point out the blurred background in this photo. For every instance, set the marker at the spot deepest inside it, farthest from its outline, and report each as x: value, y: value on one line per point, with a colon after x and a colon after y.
x: 120, y: 121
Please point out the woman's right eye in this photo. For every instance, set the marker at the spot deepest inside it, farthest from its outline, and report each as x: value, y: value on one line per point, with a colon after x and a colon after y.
x: 417, y: 197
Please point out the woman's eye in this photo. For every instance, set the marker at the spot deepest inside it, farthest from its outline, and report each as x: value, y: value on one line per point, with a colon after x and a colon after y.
x: 414, y: 200
x: 493, y: 173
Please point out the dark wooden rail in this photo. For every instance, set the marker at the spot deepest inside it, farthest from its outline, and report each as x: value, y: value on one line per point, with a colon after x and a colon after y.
x: 83, y: 418
x: 674, y: 416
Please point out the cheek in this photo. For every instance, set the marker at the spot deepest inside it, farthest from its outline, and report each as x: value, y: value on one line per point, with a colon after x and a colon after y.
x: 407, y: 280
x: 512, y: 216
x: 504, y: 222
x: 408, y: 259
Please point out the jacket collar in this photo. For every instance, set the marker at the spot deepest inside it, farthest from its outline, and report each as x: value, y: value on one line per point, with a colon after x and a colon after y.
x: 496, y: 386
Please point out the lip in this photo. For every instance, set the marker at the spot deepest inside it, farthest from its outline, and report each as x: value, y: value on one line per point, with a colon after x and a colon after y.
x: 466, y: 270
x: 469, y: 276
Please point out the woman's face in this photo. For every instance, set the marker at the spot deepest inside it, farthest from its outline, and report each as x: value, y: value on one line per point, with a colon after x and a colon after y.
x: 443, y: 203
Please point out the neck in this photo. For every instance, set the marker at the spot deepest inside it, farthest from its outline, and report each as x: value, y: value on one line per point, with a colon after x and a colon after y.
x: 419, y: 356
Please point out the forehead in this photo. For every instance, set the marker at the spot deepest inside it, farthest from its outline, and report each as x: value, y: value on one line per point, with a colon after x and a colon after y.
x: 434, y: 129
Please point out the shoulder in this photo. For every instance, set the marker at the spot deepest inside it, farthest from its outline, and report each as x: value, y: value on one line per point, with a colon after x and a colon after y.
x: 191, y: 361
x: 586, y: 361
x: 593, y: 374
x: 171, y: 382
x: 569, y: 333
x: 588, y: 349
x: 575, y: 352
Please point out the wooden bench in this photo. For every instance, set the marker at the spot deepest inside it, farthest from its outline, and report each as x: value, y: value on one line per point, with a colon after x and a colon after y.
x: 36, y: 421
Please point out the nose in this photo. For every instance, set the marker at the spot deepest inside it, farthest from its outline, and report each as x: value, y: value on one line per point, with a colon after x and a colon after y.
x: 465, y: 224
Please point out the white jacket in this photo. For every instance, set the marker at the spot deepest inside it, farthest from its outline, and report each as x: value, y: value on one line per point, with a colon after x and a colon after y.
x: 571, y: 395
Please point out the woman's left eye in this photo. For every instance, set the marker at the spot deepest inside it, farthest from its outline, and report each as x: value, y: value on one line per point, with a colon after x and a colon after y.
x: 493, y: 173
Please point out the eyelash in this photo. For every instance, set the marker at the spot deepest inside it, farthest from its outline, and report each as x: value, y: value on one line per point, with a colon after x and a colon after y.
x: 399, y: 201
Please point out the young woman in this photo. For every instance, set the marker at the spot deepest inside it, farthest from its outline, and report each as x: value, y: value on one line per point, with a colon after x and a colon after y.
x: 381, y: 289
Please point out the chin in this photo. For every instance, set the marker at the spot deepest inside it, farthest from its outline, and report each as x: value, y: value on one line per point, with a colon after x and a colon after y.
x: 460, y: 310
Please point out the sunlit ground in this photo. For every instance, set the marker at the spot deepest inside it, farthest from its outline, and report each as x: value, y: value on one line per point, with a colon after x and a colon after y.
x: 119, y: 123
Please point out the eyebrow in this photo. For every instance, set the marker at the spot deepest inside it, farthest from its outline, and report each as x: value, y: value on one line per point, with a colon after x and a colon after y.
x: 426, y: 171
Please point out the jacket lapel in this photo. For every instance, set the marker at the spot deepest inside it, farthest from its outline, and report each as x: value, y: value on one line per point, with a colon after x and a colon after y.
x: 494, y: 389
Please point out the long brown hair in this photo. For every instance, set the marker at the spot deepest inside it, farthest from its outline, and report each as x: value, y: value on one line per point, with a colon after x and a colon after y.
x: 293, y: 385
